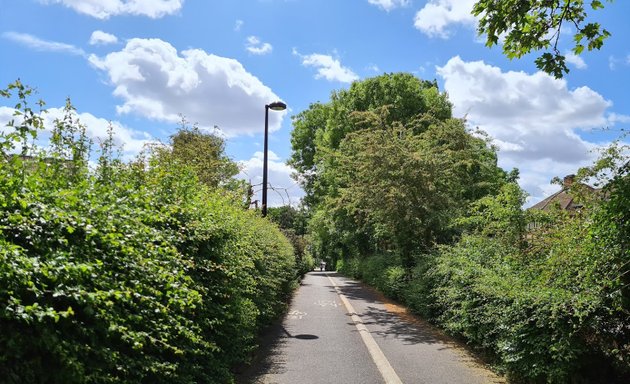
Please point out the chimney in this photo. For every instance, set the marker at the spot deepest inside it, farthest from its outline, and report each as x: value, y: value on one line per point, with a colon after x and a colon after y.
x: 568, y: 181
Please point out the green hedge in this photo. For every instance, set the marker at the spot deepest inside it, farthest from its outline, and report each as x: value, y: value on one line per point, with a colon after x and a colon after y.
x: 380, y: 271
x: 131, y: 273
x: 547, y: 309
x: 553, y: 317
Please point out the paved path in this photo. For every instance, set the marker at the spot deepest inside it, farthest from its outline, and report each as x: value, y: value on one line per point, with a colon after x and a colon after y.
x: 337, y: 331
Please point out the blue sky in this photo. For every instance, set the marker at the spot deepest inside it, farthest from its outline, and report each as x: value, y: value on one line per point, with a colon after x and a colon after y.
x: 142, y: 63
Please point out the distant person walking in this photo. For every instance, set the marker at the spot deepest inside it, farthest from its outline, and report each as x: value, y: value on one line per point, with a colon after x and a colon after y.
x: 322, y: 265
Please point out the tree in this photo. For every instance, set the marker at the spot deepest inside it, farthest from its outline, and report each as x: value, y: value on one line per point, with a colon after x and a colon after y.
x: 306, y: 126
x: 321, y: 128
x: 386, y: 168
x: 534, y: 25
x: 405, y: 189
x: 204, y: 152
x: 289, y: 218
x: 293, y: 224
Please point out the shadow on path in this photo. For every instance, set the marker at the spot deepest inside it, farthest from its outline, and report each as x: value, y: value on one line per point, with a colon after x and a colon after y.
x: 391, y: 325
x: 395, y: 321
x: 268, y: 358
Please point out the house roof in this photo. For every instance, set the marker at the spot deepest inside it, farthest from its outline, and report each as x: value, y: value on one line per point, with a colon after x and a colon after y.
x: 563, y: 198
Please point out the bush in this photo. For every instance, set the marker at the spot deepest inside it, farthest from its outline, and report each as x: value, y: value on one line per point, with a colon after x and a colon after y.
x: 549, y: 312
x: 380, y: 271
x: 418, y: 293
x: 131, y: 273
x: 350, y: 267
x: 548, y: 305
x: 305, y: 264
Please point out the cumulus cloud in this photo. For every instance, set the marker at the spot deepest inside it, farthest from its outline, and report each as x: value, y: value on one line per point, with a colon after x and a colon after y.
x: 104, y: 9
x: 283, y: 190
x: 327, y: 67
x: 256, y: 47
x: 129, y: 140
x: 388, y: 5
x: 102, y: 38
x: 157, y: 82
x: 435, y: 18
x: 533, y: 118
x: 576, y: 60
x: 38, y: 44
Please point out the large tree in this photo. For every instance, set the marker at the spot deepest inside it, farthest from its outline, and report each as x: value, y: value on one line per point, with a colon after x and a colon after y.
x: 405, y: 189
x: 524, y: 26
x: 320, y: 129
x: 387, y: 168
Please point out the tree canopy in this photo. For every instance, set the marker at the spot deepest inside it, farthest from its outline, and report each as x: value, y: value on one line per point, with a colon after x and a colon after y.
x: 386, y: 167
x: 321, y: 128
x: 204, y: 152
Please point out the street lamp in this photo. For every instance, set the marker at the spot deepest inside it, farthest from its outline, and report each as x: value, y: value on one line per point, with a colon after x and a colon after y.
x: 275, y: 106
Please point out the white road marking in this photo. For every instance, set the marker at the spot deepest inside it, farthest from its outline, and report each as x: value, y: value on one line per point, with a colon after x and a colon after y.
x: 326, y: 303
x: 383, y: 365
x: 296, y: 315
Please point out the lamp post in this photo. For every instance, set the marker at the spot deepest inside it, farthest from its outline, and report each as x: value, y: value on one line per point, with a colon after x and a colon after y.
x: 275, y: 106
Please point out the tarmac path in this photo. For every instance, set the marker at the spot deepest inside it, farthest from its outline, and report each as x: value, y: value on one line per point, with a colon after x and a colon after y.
x: 339, y: 331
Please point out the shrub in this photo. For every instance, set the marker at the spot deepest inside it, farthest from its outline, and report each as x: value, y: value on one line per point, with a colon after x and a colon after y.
x: 130, y: 273
x: 418, y: 293
x: 543, y: 310
x: 549, y: 305
x: 350, y: 267
x: 379, y: 271
x: 394, y: 281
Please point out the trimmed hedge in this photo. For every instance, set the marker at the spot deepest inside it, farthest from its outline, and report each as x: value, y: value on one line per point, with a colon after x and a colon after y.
x: 380, y: 271
x: 133, y: 273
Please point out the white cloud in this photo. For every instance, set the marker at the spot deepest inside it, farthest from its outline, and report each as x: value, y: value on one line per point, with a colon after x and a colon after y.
x: 238, y: 25
x: 131, y: 141
x: 612, y: 62
x: 256, y: 47
x: 38, y: 44
x: 156, y: 82
x: 102, y: 38
x: 533, y: 118
x: 283, y: 190
x: 388, y: 5
x: 373, y: 68
x: 328, y: 67
x: 576, y: 60
x: 617, y: 118
x: 435, y: 18
x: 104, y: 9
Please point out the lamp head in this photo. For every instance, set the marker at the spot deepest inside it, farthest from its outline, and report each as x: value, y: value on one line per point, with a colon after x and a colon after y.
x: 277, y: 106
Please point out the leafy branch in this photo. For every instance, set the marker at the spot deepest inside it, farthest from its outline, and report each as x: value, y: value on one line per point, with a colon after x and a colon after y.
x: 524, y: 26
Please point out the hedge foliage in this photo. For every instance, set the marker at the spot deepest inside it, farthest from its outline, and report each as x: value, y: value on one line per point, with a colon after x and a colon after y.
x: 293, y: 224
x: 128, y: 272
x: 550, y: 307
